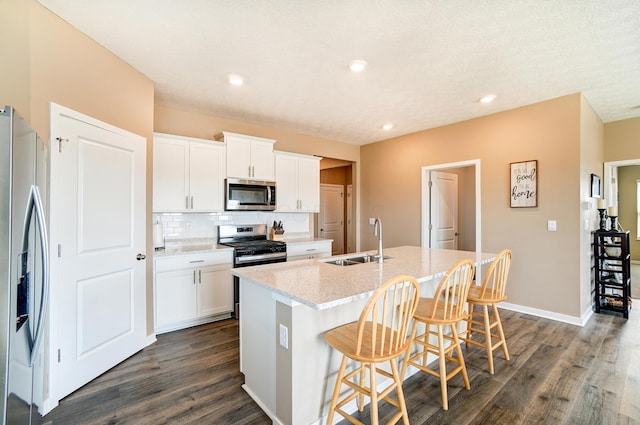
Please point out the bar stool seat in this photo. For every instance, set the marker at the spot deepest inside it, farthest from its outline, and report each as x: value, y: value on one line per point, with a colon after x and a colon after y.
x: 382, y: 334
x: 489, y: 294
x: 445, y: 309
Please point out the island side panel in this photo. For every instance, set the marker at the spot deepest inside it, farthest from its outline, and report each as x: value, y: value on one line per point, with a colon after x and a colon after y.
x: 284, y: 370
x: 257, y: 344
x: 306, y: 371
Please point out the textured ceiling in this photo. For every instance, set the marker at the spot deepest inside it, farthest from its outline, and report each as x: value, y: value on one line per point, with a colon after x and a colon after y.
x: 428, y: 61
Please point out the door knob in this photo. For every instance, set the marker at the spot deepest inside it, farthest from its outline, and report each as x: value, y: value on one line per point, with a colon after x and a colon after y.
x: 140, y: 257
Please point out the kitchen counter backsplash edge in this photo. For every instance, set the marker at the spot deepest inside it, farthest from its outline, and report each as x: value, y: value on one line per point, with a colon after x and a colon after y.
x: 186, y: 246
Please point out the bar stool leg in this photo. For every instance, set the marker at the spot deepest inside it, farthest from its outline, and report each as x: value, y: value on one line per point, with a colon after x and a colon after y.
x: 487, y: 337
x: 456, y: 341
x: 336, y: 390
x: 399, y: 392
x: 373, y: 393
x: 501, y: 332
x: 443, y: 369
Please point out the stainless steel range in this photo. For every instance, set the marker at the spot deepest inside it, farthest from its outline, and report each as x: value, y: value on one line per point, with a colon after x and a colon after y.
x: 251, y: 248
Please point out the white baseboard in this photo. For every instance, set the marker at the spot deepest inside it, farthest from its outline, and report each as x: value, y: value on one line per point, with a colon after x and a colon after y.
x: 572, y: 320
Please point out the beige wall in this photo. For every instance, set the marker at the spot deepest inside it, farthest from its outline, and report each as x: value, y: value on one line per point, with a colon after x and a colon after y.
x: 591, y: 161
x: 183, y: 123
x: 14, y: 54
x: 57, y: 63
x: 622, y: 143
x: 622, y: 140
x: 51, y: 61
x: 546, y: 268
x: 627, y: 207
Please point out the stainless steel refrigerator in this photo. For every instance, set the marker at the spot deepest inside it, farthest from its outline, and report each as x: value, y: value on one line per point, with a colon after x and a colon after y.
x: 24, y: 276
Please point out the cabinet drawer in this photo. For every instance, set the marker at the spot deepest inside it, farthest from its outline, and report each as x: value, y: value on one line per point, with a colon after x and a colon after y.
x: 196, y: 260
x: 309, y: 249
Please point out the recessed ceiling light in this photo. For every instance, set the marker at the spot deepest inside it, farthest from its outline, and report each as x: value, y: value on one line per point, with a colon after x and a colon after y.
x: 388, y: 126
x: 488, y: 98
x: 358, y: 65
x: 235, y: 80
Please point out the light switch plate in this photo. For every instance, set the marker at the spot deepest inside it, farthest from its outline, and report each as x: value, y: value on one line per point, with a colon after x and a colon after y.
x: 284, y: 336
x: 372, y: 221
x: 552, y: 225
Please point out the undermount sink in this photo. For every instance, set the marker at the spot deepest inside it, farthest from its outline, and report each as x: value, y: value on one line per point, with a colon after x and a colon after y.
x: 359, y: 259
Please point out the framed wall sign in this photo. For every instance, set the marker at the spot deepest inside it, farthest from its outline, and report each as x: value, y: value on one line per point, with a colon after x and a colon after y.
x: 524, y: 184
x: 595, y: 186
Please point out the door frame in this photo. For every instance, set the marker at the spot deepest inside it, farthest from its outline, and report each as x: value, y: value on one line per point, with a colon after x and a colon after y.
x: 343, y: 218
x: 426, y: 198
x: 608, y: 184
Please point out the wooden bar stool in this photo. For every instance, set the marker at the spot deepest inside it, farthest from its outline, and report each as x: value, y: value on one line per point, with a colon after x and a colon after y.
x: 381, y: 334
x: 490, y: 293
x: 445, y: 309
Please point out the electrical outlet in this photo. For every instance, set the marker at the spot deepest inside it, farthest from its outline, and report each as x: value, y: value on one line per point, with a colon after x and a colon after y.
x: 372, y: 221
x: 284, y: 336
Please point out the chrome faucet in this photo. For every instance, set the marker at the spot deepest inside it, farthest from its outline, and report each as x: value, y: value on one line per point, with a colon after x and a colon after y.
x: 377, y: 231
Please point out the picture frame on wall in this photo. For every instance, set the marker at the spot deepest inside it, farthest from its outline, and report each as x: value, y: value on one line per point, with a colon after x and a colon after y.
x: 524, y: 184
x: 596, y: 187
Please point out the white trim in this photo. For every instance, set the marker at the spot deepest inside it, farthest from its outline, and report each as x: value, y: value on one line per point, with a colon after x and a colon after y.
x: 608, y: 168
x: 425, y: 197
x: 262, y: 405
x: 545, y: 314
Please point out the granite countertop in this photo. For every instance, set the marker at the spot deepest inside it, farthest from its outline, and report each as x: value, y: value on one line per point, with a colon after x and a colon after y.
x: 189, y: 246
x: 203, y: 245
x: 320, y: 285
x: 301, y: 240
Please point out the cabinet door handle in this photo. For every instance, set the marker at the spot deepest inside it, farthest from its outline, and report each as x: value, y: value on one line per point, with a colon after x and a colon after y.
x: 199, y: 276
x: 250, y: 171
x: 191, y: 202
x: 186, y: 202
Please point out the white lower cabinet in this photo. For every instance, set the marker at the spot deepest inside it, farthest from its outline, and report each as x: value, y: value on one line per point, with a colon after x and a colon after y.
x: 308, y: 250
x: 192, y: 289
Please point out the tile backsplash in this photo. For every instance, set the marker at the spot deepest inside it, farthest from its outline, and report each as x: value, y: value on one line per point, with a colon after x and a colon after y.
x: 205, y: 225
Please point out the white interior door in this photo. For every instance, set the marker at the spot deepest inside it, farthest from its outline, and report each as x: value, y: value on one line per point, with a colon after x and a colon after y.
x: 98, y: 245
x: 444, y: 210
x: 331, y: 216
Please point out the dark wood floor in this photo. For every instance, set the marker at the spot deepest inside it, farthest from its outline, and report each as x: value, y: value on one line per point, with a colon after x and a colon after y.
x: 558, y: 374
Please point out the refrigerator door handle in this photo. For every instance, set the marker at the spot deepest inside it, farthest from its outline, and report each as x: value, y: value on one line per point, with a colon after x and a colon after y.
x: 35, y: 203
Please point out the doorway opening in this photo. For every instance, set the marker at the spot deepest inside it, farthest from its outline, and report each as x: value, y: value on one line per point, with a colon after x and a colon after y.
x: 468, y: 202
x: 620, y: 188
x: 337, y: 181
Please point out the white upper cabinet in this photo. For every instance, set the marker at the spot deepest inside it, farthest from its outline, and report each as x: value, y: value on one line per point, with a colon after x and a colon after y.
x: 297, y: 182
x: 188, y: 174
x: 248, y: 157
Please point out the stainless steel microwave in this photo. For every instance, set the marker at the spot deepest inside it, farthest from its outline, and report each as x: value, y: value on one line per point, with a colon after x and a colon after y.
x: 249, y: 195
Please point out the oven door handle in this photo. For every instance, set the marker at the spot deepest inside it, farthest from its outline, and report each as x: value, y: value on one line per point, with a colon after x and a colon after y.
x: 251, y: 258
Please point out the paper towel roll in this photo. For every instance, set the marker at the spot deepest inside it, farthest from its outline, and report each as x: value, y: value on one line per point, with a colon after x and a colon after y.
x: 158, y: 239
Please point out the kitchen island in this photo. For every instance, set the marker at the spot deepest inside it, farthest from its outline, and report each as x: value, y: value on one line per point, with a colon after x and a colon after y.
x: 287, y: 307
